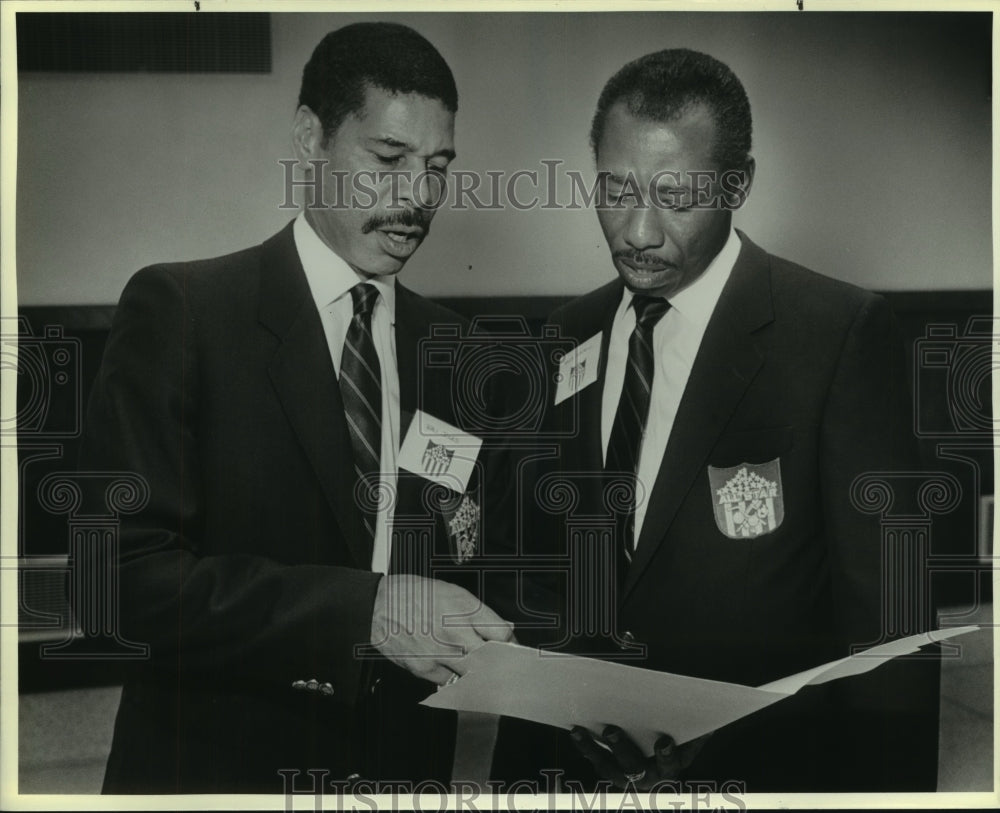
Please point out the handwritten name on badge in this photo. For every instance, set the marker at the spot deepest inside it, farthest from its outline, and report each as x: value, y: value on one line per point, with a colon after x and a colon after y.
x: 578, y: 368
x: 439, y: 452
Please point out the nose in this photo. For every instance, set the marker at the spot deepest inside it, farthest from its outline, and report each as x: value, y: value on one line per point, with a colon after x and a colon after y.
x: 420, y: 188
x: 643, y: 229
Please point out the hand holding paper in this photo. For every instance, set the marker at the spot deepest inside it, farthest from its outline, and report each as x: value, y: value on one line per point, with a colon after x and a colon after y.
x: 410, y: 625
x: 623, y: 764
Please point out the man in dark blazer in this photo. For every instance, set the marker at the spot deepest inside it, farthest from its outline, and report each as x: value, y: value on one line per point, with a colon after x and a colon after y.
x: 292, y: 591
x: 731, y: 400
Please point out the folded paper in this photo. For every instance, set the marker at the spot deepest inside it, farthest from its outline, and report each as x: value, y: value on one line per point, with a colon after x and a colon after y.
x: 566, y: 690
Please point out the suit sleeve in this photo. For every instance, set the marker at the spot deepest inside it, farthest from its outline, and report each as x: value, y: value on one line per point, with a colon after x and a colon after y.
x: 230, y: 617
x: 878, y: 578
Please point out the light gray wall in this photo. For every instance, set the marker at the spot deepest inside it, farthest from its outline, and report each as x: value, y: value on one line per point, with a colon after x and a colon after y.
x: 872, y: 140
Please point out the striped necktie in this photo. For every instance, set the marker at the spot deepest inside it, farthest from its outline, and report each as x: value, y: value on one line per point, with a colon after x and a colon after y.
x: 361, y: 391
x: 627, y: 431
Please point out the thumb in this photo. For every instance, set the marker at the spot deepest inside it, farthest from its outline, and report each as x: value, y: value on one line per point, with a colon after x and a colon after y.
x: 491, y: 627
x: 667, y: 754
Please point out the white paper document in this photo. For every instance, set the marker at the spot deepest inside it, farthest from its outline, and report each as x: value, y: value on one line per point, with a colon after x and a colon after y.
x: 565, y: 690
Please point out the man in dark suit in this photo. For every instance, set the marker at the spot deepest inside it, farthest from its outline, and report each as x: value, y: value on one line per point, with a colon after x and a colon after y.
x: 730, y: 399
x: 282, y: 571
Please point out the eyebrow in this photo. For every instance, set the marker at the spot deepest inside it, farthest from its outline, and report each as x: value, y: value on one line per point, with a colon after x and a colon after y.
x: 628, y: 179
x: 614, y: 177
x: 395, y: 143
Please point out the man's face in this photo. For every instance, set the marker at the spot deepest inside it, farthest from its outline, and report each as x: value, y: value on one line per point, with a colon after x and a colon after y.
x: 394, y: 153
x: 660, y: 241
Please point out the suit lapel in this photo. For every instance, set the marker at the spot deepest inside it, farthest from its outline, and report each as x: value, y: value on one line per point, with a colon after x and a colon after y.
x: 421, y: 387
x: 304, y: 380
x: 596, y: 315
x: 410, y: 329
x: 727, y: 362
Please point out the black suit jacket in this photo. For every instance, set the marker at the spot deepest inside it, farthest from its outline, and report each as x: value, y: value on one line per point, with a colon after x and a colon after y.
x: 246, y: 572
x: 795, y: 368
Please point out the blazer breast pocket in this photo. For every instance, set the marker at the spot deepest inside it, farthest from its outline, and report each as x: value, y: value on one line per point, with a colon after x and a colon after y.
x: 751, y: 446
x: 744, y: 477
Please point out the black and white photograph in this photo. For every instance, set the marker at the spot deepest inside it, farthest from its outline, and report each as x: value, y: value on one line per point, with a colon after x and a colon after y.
x: 553, y: 405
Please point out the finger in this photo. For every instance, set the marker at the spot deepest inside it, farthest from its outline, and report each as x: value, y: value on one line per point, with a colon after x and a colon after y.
x: 459, y: 666
x: 422, y: 647
x: 462, y: 619
x: 603, y: 761
x: 668, y: 757
x: 470, y: 634
x: 433, y: 669
x: 630, y: 758
x: 460, y: 608
x: 501, y: 631
x: 438, y: 674
x: 491, y: 626
x: 463, y: 640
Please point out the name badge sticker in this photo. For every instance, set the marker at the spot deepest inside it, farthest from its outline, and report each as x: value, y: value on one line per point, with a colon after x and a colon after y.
x: 439, y: 452
x: 578, y: 368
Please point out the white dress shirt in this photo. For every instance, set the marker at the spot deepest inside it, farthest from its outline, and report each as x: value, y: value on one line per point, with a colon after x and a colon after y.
x: 330, y: 281
x: 676, y: 339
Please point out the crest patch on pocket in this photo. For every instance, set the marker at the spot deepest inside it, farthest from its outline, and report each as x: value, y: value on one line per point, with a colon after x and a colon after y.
x: 747, y: 499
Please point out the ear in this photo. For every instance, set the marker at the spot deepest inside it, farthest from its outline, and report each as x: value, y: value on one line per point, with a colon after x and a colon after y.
x: 307, y: 135
x: 736, y: 184
x: 749, y: 169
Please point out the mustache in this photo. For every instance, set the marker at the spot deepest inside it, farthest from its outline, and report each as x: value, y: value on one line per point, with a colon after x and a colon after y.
x: 405, y: 217
x: 638, y: 258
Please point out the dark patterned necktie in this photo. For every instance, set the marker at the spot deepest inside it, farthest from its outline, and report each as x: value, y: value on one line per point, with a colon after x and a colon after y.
x: 361, y: 390
x: 625, y: 442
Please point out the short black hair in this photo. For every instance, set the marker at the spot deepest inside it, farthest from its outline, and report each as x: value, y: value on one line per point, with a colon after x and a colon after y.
x: 662, y: 86
x: 389, y: 56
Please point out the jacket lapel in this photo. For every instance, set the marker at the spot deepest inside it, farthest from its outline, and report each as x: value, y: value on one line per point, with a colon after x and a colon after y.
x: 304, y: 380
x: 421, y: 387
x: 727, y: 362
x: 595, y: 315
x: 409, y: 331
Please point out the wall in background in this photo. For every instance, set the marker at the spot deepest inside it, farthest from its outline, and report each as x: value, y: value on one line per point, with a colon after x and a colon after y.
x: 872, y: 140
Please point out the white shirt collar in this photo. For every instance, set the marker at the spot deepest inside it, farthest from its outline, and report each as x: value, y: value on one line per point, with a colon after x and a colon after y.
x: 329, y: 276
x: 696, y: 302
